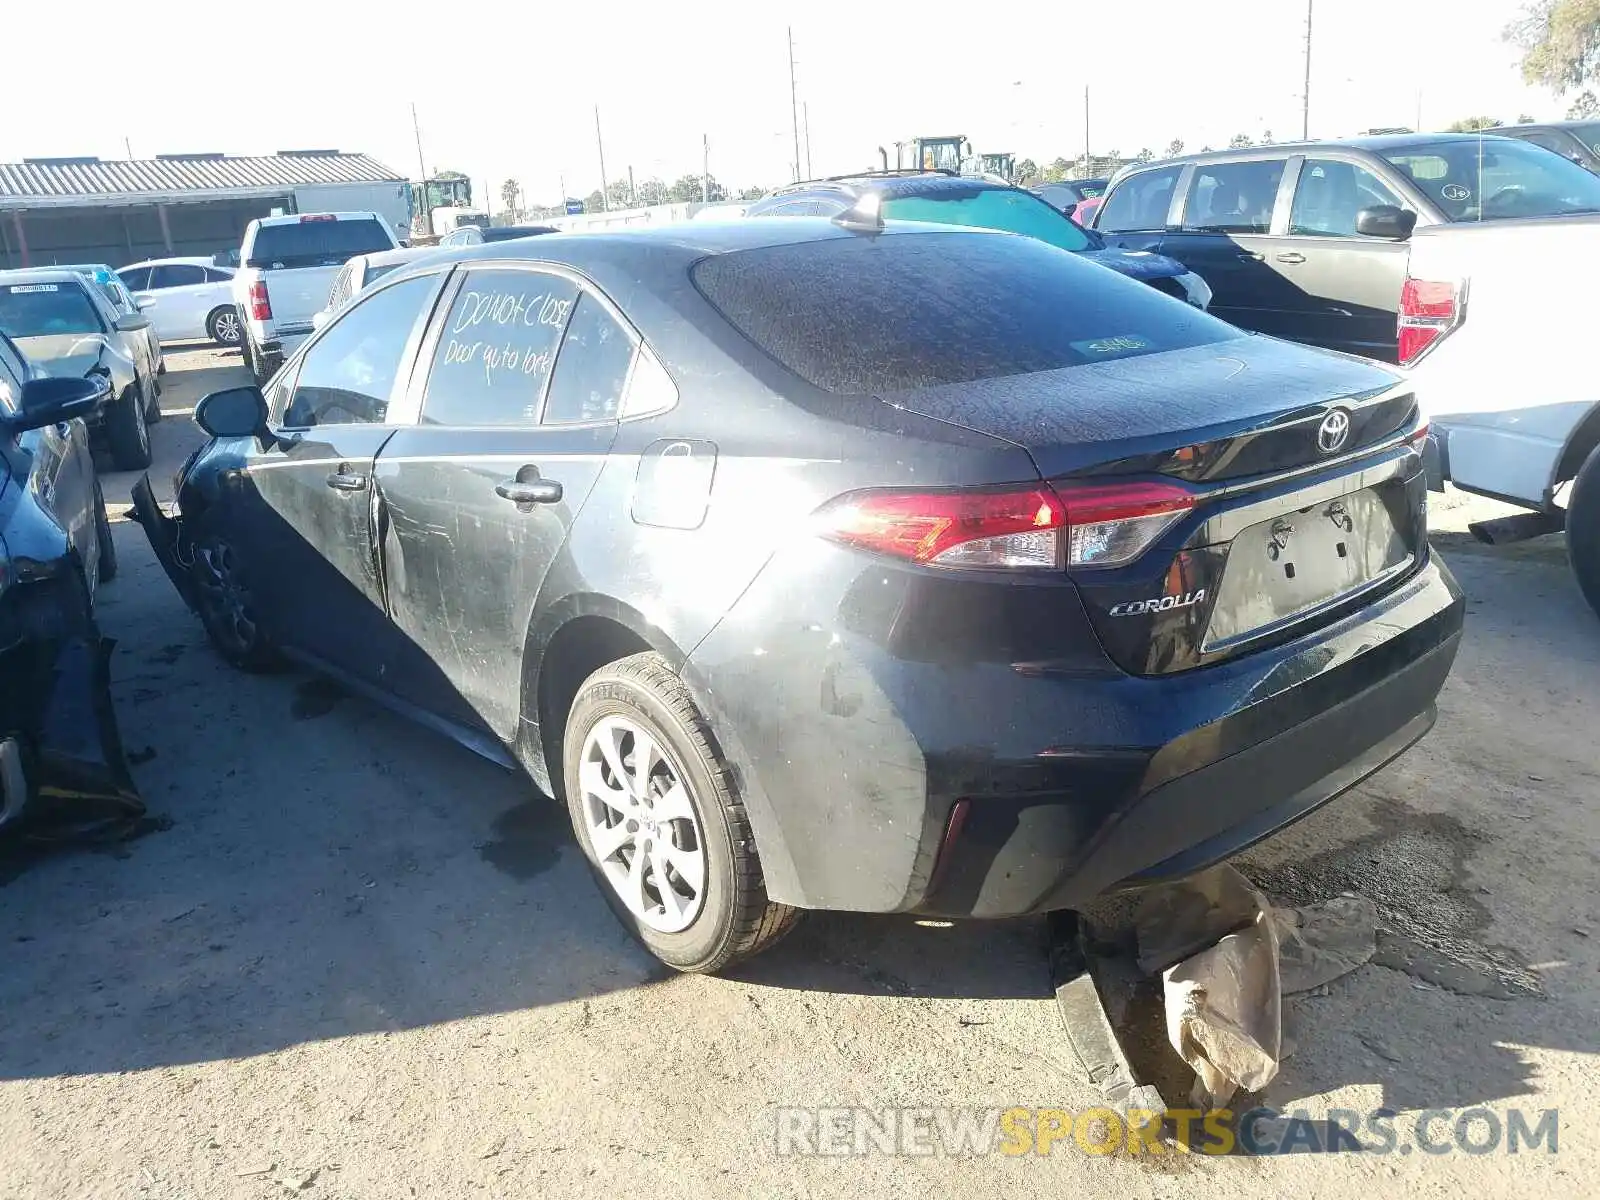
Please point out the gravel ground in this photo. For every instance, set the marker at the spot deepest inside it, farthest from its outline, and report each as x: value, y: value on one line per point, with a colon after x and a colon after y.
x: 349, y: 959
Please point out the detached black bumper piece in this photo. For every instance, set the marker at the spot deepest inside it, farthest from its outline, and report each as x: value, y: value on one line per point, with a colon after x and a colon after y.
x: 163, y: 532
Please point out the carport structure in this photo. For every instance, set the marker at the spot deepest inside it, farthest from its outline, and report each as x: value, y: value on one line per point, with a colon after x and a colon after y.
x: 68, y: 210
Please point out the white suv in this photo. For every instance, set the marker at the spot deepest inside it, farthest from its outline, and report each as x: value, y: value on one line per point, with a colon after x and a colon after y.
x: 288, y: 264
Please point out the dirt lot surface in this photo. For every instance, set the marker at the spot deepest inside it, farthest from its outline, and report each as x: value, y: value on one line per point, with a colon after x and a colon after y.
x: 349, y: 959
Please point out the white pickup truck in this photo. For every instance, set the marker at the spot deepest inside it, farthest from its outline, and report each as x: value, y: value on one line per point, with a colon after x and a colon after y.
x: 1494, y: 320
x: 287, y: 265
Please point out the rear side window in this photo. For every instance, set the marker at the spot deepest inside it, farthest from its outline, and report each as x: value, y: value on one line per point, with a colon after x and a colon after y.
x: 866, y: 315
x: 1233, y: 197
x: 217, y: 275
x: 171, y: 275
x: 496, y: 349
x: 317, y: 243
x: 1139, y: 202
x: 591, y: 369
x: 135, y: 279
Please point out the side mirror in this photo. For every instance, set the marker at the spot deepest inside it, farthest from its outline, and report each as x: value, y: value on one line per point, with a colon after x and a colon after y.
x: 51, y: 401
x: 132, y: 322
x: 143, y: 301
x: 1386, y: 221
x: 233, y: 412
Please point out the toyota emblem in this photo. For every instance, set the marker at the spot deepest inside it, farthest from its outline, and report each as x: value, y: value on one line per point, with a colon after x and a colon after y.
x: 1334, y: 431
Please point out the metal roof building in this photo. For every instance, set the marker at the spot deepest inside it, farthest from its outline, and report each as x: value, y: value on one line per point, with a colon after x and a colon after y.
x: 89, y: 210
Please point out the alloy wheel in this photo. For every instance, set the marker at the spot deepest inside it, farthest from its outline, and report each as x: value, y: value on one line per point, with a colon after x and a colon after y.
x: 226, y: 328
x: 225, y: 595
x: 641, y: 825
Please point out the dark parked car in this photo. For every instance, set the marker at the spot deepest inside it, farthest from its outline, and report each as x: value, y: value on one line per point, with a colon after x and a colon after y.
x: 978, y: 204
x: 1577, y: 140
x: 1308, y: 241
x: 67, y: 327
x: 55, y: 550
x: 475, y: 235
x: 890, y: 569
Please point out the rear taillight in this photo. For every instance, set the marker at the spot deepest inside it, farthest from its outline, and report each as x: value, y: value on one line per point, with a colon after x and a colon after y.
x: 1417, y: 436
x: 1112, y: 524
x: 1021, y: 528
x: 1015, y: 528
x: 1428, y: 311
x: 260, y: 302
x: 309, y: 217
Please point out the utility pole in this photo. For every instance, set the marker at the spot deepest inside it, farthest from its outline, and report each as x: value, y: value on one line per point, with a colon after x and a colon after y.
x: 563, y: 179
x: 605, y: 189
x: 1417, y: 128
x: 1088, y: 161
x: 633, y: 193
x: 422, y: 170
x: 794, y: 107
x: 705, y: 168
x: 1305, y: 97
x: 805, y: 112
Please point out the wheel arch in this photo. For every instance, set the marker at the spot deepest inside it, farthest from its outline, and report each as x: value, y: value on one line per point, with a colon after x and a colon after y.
x: 1581, y: 443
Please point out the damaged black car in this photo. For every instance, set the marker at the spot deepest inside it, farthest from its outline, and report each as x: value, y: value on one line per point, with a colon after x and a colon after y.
x: 57, y: 732
x: 836, y: 564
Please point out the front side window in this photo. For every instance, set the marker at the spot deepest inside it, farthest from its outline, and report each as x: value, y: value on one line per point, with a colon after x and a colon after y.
x: 46, y: 309
x: 1330, y: 196
x: 171, y: 275
x: 1139, y: 203
x: 497, y: 348
x: 346, y: 377
x: 1235, y: 197
x: 1482, y: 179
x: 1007, y: 209
x: 591, y: 368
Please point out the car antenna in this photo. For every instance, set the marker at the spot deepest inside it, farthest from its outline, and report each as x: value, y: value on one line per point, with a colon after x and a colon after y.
x: 864, y: 216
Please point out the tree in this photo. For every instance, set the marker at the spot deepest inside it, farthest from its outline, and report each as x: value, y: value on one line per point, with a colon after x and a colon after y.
x: 620, y: 195
x: 594, y: 202
x: 651, y: 191
x: 752, y: 193
x: 1560, y: 41
x: 1266, y: 137
x: 1473, y: 124
x: 1027, y: 170
x: 509, y: 191
x: 1174, y: 147
x: 1584, y: 107
x: 687, y: 190
x: 1240, y: 140
x: 1144, y: 155
x: 1525, y: 119
x: 1057, y: 170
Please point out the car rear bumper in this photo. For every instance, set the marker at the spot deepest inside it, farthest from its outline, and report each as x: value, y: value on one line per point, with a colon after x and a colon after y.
x: 994, y: 789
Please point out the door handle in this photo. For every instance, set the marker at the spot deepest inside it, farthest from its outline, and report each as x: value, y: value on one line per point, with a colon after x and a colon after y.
x: 346, y: 481
x: 527, y: 493
x: 1292, y: 257
x: 1249, y: 256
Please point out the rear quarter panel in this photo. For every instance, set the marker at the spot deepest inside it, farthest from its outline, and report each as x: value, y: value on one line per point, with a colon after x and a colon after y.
x: 1512, y: 383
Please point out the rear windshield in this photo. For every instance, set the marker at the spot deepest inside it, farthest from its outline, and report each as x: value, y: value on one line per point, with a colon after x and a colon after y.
x: 1007, y: 209
x: 1489, y: 178
x: 317, y: 243
x: 864, y: 315
x: 45, y: 309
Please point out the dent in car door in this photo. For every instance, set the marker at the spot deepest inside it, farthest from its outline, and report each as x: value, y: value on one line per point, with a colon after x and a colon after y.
x: 307, y: 504
x: 1230, y: 210
x: 519, y: 410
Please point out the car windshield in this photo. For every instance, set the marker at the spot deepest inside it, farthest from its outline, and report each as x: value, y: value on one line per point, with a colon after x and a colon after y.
x: 1007, y: 209
x: 1489, y: 178
x: 857, y: 316
x: 45, y: 309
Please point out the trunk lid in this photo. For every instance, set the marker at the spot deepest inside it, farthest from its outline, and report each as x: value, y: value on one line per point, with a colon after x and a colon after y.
x: 1290, y: 523
x: 297, y: 294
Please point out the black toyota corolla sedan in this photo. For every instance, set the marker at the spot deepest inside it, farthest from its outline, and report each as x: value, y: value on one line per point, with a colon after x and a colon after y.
x: 891, y: 569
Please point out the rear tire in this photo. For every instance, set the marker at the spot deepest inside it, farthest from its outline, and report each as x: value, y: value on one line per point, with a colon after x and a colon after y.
x: 223, y: 326
x: 1583, y: 529
x: 127, y: 432
x: 683, y: 823
x: 102, y: 534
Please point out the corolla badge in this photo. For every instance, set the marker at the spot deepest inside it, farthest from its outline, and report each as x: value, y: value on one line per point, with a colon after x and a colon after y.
x: 1334, y: 431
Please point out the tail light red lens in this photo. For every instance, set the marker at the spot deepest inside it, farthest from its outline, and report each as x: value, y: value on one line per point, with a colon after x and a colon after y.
x: 1428, y: 311
x: 1027, y: 528
x: 260, y: 302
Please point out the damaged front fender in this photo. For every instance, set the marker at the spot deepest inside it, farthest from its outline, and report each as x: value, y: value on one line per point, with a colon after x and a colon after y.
x: 166, y: 536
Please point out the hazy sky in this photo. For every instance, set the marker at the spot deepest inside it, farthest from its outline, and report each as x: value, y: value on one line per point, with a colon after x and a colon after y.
x: 509, y: 89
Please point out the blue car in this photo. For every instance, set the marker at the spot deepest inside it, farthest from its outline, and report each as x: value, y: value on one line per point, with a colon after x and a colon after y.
x: 947, y: 199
